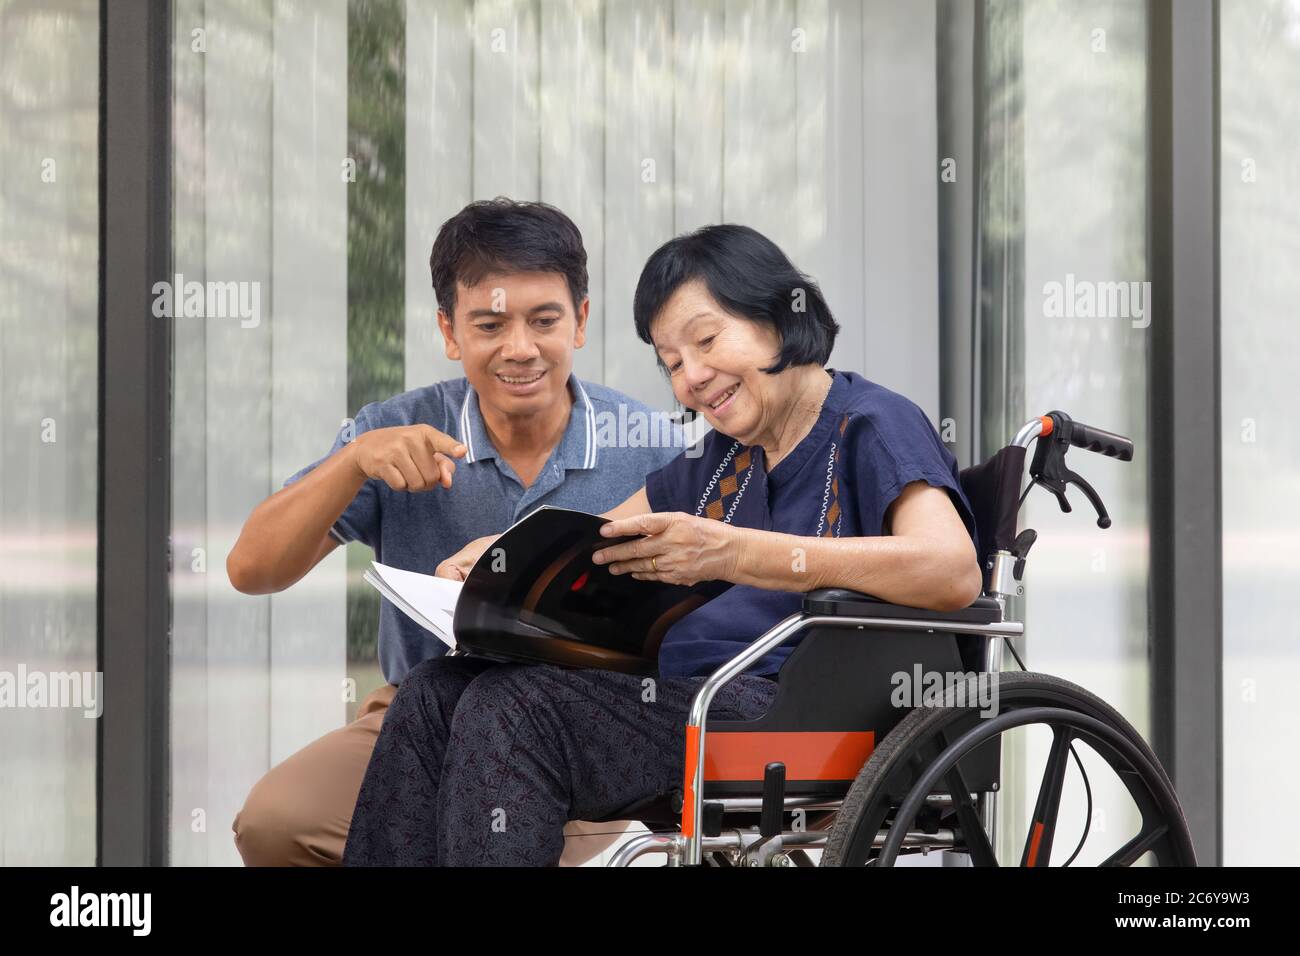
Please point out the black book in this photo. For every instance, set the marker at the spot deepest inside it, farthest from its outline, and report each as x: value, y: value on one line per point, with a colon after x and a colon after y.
x: 536, y: 597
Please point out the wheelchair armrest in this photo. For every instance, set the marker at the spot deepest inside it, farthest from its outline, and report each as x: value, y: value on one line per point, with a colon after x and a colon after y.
x: 845, y: 603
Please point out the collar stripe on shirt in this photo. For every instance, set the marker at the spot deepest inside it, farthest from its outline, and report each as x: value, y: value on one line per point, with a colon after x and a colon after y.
x: 589, y: 458
x: 466, y: 435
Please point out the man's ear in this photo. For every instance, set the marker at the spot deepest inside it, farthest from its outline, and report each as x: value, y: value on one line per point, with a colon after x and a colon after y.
x: 581, y: 335
x: 448, y: 335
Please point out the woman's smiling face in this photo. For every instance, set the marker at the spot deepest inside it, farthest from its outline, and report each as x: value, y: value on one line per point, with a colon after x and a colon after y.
x: 714, y: 360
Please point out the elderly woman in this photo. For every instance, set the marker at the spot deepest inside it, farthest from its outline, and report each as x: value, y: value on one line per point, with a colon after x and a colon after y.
x: 810, y: 478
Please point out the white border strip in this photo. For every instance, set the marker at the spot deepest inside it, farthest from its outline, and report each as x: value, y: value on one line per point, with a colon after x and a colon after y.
x: 466, y: 436
x: 589, y: 458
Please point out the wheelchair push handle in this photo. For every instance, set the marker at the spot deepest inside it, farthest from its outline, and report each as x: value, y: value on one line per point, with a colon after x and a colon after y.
x: 1101, y: 441
x: 1056, y: 433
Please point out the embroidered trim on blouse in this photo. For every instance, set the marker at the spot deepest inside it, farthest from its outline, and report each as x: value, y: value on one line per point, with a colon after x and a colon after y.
x: 831, y: 494
x: 826, y: 493
x: 714, y: 509
x: 739, y: 494
x: 699, y: 509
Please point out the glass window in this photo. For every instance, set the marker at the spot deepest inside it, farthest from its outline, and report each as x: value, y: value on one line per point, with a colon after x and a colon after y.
x: 261, y: 202
x: 49, y: 432
x: 1259, y: 245
x: 1066, y: 211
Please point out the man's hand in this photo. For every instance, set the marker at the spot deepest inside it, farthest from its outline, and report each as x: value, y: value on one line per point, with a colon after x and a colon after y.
x: 677, y: 548
x: 458, y: 566
x: 407, y: 457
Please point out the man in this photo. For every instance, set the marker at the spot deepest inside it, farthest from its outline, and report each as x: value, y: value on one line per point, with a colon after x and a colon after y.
x: 424, y: 473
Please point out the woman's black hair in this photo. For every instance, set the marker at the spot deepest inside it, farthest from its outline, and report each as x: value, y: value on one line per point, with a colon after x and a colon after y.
x: 750, y: 277
x: 507, y: 236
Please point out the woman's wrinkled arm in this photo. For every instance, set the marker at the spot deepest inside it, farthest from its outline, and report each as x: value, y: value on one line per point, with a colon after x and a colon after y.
x: 925, y: 559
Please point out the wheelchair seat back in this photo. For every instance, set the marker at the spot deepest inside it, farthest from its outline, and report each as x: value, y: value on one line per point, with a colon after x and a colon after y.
x: 993, y: 490
x: 838, y: 694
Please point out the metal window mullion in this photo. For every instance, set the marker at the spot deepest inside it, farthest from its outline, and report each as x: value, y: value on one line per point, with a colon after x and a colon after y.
x: 134, y: 605
x: 1185, y: 482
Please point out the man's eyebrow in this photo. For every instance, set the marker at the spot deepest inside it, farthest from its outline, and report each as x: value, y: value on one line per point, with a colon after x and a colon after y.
x: 546, y: 307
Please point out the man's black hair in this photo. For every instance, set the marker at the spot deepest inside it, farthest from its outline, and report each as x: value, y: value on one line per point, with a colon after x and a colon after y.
x: 751, y: 278
x: 505, y: 236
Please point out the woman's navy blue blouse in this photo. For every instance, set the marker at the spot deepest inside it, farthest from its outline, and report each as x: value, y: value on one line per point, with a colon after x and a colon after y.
x: 867, y: 444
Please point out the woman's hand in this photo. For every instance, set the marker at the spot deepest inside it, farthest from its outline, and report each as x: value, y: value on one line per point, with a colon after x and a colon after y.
x: 458, y: 566
x: 676, y: 548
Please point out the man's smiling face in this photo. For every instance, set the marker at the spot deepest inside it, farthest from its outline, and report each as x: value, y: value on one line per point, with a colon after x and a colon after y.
x: 515, y: 335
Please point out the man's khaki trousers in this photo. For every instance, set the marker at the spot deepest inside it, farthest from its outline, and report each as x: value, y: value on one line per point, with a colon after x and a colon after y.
x: 299, y: 813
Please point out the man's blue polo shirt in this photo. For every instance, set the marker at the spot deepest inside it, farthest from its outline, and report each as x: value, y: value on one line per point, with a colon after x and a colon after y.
x: 601, y: 461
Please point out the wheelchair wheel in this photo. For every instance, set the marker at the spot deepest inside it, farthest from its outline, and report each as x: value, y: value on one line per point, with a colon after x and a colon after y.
x: 923, y: 755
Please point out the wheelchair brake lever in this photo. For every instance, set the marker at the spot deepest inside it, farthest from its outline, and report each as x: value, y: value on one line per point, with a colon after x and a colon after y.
x: 772, y: 815
x: 1057, y: 487
x: 1103, y: 519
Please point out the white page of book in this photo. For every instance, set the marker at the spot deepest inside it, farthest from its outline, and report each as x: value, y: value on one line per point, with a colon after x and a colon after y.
x: 433, y: 599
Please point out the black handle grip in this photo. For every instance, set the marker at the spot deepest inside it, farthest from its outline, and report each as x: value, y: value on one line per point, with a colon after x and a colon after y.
x: 1101, y: 441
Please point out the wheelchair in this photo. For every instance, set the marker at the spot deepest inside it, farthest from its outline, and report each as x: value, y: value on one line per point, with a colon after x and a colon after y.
x: 837, y: 764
